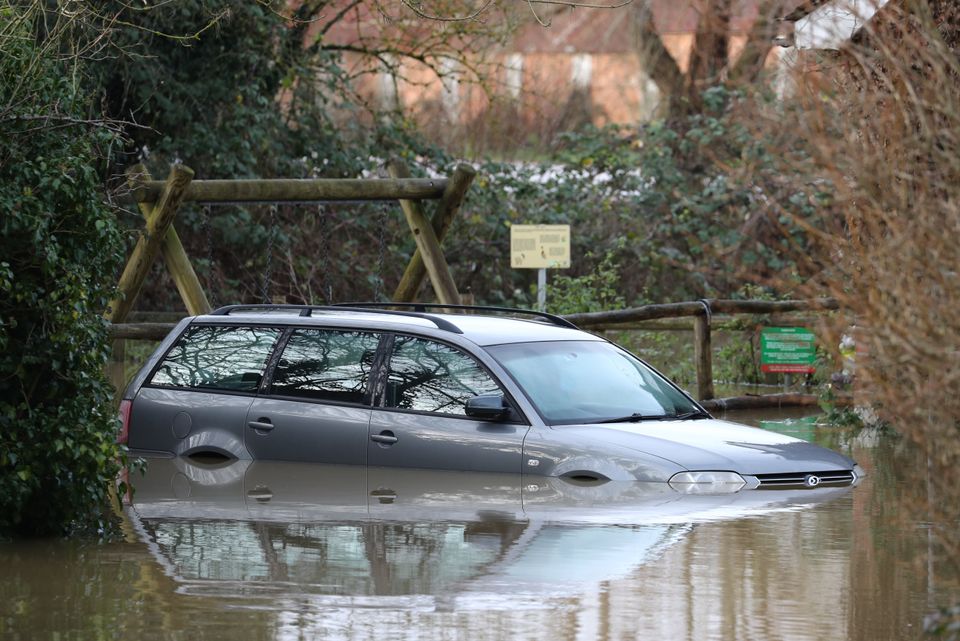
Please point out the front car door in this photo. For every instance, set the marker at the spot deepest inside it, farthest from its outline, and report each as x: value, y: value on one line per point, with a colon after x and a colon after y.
x: 317, y: 406
x: 421, y: 420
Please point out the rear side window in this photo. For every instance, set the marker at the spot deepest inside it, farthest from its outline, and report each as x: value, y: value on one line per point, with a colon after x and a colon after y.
x: 222, y: 358
x: 427, y: 376
x: 326, y: 365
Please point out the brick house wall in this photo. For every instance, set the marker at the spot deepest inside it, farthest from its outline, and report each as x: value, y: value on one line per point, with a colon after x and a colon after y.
x: 582, y: 68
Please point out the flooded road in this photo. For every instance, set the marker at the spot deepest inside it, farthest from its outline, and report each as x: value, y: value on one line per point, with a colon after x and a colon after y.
x: 259, y: 550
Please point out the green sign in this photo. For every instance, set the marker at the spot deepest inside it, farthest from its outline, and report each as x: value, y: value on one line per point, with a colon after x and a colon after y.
x: 803, y: 428
x: 787, y: 350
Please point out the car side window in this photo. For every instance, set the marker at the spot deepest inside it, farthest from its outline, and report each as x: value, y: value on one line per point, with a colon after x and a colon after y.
x: 221, y: 358
x: 326, y: 365
x: 428, y: 376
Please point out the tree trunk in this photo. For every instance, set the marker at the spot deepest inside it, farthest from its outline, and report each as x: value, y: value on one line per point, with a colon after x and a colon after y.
x: 655, y: 59
x: 711, y: 46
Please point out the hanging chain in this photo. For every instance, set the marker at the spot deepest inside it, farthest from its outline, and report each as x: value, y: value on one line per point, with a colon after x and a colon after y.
x: 268, y: 269
x: 381, y: 246
x: 206, y: 222
x: 325, y: 265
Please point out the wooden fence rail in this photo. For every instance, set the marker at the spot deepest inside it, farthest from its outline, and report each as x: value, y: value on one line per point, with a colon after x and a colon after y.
x: 615, y: 319
x: 298, y: 190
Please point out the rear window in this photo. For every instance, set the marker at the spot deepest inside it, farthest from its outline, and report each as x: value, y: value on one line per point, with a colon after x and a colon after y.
x: 221, y: 358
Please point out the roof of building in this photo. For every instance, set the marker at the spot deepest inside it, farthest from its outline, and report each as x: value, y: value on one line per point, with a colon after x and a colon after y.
x: 570, y: 30
x: 584, y: 30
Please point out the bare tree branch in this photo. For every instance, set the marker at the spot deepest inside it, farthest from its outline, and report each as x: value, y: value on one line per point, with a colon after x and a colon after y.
x: 416, y: 7
x: 438, y: 18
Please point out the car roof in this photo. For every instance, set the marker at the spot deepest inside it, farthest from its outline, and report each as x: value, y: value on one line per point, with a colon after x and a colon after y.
x: 479, y: 329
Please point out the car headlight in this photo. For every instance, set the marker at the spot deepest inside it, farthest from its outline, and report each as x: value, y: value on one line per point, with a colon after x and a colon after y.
x: 858, y: 473
x: 706, y: 482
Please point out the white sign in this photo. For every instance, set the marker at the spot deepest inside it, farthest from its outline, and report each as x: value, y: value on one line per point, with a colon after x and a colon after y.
x: 540, y: 246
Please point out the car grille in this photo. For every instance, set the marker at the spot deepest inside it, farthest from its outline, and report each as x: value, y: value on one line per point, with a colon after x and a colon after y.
x: 805, y: 479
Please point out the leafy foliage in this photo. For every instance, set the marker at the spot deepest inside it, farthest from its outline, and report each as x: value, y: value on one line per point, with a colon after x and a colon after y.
x: 212, y: 100
x: 591, y: 292
x: 694, y: 207
x: 60, y: 250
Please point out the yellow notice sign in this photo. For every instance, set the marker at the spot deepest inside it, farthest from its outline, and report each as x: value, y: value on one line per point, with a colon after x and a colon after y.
x: 540, y: 246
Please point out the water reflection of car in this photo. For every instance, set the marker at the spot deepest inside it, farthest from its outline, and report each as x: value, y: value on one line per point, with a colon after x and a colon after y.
x: 468, y: 391
x: 343, y: 532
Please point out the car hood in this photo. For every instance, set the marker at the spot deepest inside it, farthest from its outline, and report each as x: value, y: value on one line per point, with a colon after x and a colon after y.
x: 710, y: 444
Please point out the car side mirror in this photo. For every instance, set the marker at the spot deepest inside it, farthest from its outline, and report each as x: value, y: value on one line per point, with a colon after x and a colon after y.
x: 487, y: 407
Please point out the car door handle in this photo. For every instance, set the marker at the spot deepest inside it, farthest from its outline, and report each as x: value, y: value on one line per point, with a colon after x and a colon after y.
x: 385, y: 437
x: 262, y: 425
x: 384, y: 496
x: 260, y: 494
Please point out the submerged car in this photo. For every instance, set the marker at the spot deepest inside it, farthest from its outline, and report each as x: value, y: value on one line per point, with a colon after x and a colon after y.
x: 471, y: 389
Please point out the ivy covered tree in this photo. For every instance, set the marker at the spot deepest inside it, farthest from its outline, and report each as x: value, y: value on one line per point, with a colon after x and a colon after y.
x: 59, y: 253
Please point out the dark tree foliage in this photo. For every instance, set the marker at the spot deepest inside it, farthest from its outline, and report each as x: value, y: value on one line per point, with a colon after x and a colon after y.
x: 59, y: 253
x: 240, y: 99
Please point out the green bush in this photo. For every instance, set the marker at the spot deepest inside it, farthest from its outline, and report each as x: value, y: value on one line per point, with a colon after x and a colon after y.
x: 595, y: 291
x: 60, y: 250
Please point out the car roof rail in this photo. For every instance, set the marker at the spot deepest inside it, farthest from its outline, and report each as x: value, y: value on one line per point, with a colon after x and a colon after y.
x: 424, y: 307
x: 226, y: 310
x: 307, y: 311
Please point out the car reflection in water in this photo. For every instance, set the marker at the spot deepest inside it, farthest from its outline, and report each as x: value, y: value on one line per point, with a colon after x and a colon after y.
x: 351, y: 536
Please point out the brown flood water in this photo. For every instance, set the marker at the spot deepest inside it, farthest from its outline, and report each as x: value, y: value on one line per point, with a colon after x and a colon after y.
x: 254, y: 550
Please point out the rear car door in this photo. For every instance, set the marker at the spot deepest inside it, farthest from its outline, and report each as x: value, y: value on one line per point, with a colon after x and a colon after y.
x: 421, y: 419
x: 197, y: 398
x: 317, y: 405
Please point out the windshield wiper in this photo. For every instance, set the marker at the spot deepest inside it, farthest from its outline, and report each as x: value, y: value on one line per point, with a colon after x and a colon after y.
x: 690, y: 415
x: 636, y: 417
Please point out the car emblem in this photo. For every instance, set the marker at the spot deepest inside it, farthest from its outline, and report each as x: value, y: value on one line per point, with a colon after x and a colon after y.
x: 811, y: 480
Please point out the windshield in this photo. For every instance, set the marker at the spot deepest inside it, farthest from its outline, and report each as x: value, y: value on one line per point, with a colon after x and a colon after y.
x: 588, y: 382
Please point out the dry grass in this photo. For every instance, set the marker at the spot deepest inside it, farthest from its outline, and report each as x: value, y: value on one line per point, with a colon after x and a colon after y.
x: 883, y: 122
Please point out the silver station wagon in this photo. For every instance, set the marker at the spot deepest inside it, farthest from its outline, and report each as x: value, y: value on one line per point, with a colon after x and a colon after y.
x: 469, y: 389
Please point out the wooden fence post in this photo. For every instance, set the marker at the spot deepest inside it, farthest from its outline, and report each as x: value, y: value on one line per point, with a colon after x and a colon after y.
x: 148, y: 245
x: 427, y: 243
x: 443, y: 218
x: 703, y: 356
x: 178, y: 264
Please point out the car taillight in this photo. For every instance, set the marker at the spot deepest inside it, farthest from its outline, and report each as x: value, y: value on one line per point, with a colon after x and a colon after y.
x: 124, y: 434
